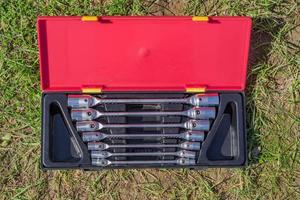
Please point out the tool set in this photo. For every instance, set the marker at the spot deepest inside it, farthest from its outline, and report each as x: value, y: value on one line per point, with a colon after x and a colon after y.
x: 198, y: 119
x: 173, y: 95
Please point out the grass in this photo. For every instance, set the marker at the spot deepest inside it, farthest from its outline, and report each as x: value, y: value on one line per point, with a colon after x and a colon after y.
x: 273, y: 109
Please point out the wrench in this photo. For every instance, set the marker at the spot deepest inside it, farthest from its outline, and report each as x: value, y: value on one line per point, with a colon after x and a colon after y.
x: 102, y: 146
x: 85, y: 101
x: 188, y: 135
x: 106, y: 154
x: 197, y: 125
x: 194, y: 113
x: 180, y: 161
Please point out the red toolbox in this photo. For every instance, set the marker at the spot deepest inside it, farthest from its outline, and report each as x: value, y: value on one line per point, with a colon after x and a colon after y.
x: 143, y: 58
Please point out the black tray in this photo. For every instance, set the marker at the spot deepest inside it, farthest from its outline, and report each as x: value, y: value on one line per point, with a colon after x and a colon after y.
x: 224, y: 145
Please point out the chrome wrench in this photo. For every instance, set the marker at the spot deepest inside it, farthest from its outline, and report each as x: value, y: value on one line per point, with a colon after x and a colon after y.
x: 194, y: 113
x: 180, y: 161
x: 85, y: 101
x: 102, y: 146
x: 197, y: 125
x: 188, y: 135
x: 181, y: 153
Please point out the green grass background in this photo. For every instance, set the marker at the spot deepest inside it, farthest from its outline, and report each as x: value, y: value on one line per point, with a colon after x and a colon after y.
x: 272, y: 107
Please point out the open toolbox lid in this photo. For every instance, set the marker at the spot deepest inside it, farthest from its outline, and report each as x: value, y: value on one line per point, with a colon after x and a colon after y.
x: 143, y: 53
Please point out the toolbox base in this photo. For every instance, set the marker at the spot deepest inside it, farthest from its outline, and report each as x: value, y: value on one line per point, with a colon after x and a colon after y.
x: 224, y: 145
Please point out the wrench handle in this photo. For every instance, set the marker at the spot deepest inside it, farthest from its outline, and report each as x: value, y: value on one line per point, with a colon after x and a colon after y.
x: 138, y: 136
x: 141, y: 113
x: 143, y: 145
x: 141, y: 101
x: 141, y: 162
x: 141, y: 125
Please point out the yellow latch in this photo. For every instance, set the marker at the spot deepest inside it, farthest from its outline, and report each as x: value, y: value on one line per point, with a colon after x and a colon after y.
x: 91, y: 90
x: 199, y: 19
x: 195, y: 89
x: 89, y: 18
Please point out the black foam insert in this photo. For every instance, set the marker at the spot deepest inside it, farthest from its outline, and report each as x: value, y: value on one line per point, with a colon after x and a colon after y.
x: 62, y: 147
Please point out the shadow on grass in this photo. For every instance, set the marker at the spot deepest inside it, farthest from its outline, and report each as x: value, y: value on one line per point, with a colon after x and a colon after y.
x: 263, y: 32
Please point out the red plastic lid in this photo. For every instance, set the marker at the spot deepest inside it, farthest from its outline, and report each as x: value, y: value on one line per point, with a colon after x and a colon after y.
x: 143, y: 53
